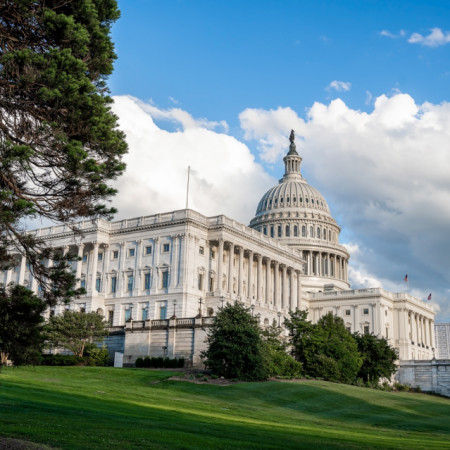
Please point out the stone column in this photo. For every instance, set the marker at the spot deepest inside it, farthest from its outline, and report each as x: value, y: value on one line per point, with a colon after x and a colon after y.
x: 94, y: 268
x: 219, y: 266
x: 106, y: 258
x: 414, y: 336
x: 259, y: 278
x: 230, y: 268
x: 241, y: 272
x: 284, y: 298
x: 23, y: 266
x: 174, y: 257
x: 79, y: 264
x: 250, y: 278
x: 120, y: 274
x: 299, y: 289
x: 268, y: 287
x: 276, y: 290
x: 8, y: 276
x: 292, y: 291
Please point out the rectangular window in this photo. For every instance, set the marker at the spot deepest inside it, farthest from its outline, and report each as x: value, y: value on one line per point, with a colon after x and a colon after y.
x: 295, y: 230
x: 130, y: 283
x: 272, y: 232
x: 166, y: 248
x: 201, y: 250
x: 131, y: 252
x: 288, y: 231
x: 115, y: 254
x: 279, y: 231
x: 366, y: 311
x: 148, y: 250
x: 265, y: 231
x: 147, y: 281
x: 110, y: 318
x: 211, y: 284
x: 127, y: 315
x: 366, y: 329
x: 97, y: 284
x: 347, y: 312
x: 200, y: 281
x: 84, y: 258
x: 163, y: 311
x: 82, y: 284
x: 100, y: 257
x: 303, y: 231
x: 145, y: 314
x: 165, y: 280
x: 113, y: 284
x: 387, y: 333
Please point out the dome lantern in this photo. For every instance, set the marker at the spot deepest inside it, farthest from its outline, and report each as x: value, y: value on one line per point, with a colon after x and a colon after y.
x: 292, y: 161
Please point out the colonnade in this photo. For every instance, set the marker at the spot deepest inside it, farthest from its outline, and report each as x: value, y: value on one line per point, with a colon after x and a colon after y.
x: 421, y: 330
x: 327, y: 264
x: 270, y: 282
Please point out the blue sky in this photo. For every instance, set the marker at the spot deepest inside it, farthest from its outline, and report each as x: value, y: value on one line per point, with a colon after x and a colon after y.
x: 364, y: 84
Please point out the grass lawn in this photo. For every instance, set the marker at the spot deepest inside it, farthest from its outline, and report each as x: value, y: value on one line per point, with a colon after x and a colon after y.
x: 96, y: 407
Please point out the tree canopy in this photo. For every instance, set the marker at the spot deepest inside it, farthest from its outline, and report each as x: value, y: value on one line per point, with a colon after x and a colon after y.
x: 21, y: 321
x: 235, y: 347
x: 72, y: 330
x: 59, y: 142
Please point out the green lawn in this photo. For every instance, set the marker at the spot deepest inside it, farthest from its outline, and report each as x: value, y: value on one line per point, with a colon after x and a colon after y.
x: 91, y: 407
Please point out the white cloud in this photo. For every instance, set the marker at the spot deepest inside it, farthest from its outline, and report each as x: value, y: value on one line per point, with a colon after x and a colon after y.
x: 436, y: 38
x: 224, y: 176
x: 339, y: 86
x: 385, y: 173
x: 387, y: 33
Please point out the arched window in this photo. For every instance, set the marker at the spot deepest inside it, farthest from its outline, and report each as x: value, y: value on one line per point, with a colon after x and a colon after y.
x: 311, y: 232
x: 295, y: 230
x: 329, y: 235
x: 288, y: 231
x: 303, y: 230
x: 279, y: 231
x: 318, y: 233
x: 324, y: 234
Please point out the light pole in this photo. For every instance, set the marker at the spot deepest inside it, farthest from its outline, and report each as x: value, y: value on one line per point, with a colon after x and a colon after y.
x: 279, y: 319
x: 252, y: 308
x: 174, y: 307
x: 222, y: 299
x: 200, y: 301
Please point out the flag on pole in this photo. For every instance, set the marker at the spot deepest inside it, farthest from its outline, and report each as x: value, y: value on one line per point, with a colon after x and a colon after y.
x: 406, y: 278
x: 429, y: 297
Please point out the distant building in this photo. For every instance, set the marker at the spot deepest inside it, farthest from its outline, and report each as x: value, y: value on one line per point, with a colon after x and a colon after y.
x: 159, y: 279
x: 442, y: 331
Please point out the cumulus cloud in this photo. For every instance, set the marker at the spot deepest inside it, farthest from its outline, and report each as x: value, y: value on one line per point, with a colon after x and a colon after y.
x: 339, y: 86
x: 435, y: 38
x: 387, y: 33
x: 385, y: 173
x: 224, y: 176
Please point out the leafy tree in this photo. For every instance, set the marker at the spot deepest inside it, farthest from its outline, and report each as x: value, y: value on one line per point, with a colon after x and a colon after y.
x: 235, y: 347
x: 378, y: 357
x: 21, y: 322
x: 326, y: 349
x: 279, y: 362
x: 59, y: 145
x: 73, y: 330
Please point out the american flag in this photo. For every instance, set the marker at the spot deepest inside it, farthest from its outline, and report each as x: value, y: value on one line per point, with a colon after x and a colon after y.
x: 429, y: 297
x: 406, y: 278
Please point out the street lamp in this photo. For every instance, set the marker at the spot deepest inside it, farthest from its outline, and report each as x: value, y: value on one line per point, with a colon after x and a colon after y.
x: 222, y: 299
x: 200, y: 301
x: 174, y: 307
x: 279, y: 318
x: 252, y: 308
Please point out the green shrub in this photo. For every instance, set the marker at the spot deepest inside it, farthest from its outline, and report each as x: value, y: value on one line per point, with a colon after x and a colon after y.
x: 62, y: 360
x: 139, y: 362
x: 324, y: 367
x: 147, y: 362
x: 96, y: 356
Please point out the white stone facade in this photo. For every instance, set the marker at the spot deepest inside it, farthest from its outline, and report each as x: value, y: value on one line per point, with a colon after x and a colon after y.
x: 442, y: 331
x: 159, y: 278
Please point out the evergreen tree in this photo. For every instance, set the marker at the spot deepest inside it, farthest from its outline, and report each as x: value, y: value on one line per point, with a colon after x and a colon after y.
x: 235, y: 348
x: 21, y: 321
x: 378, y: 358
x: 73, y: 330
x: 59, y: 145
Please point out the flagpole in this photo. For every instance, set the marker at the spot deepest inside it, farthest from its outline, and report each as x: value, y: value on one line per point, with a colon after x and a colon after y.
x: 187, y: 188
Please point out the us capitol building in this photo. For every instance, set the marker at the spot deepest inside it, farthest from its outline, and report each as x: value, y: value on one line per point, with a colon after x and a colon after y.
x: 158, y: 280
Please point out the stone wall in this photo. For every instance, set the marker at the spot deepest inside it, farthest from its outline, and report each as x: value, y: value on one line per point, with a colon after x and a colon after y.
x: 172, y: 338
x: 430, y: 376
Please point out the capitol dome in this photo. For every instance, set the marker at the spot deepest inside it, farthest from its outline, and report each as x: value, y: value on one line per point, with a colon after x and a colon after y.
x: 297, y: 215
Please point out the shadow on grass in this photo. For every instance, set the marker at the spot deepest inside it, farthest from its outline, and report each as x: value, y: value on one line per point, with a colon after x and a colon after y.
x: 183, y: 415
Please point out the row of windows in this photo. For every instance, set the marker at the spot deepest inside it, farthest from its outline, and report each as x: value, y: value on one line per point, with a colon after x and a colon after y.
x: 294, y: 200
x: 131, y: 252
x: 130, y: 282
x: 365, y: 312
x: 278, y: 229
